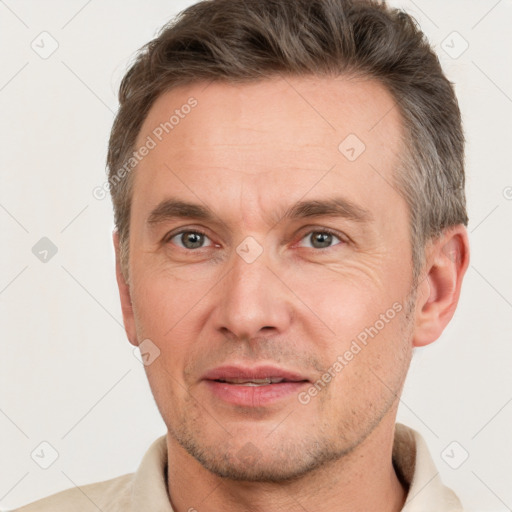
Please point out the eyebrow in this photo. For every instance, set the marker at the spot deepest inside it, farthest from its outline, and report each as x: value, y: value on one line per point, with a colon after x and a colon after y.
x: 170, y: 209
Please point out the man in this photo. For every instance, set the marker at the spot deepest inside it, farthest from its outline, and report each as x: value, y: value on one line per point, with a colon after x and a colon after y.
x: 288, y: 188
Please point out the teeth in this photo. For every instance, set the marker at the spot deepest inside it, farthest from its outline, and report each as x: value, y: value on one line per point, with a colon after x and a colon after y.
x: 255, y: 382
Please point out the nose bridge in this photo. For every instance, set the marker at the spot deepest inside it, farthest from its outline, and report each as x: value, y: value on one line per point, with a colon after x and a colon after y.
x: 251, y: 296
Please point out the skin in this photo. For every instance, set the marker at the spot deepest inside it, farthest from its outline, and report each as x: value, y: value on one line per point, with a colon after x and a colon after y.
x: 248, y: 152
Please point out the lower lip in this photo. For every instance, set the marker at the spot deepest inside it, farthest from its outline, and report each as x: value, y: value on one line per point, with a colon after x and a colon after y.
x: 253, y: 396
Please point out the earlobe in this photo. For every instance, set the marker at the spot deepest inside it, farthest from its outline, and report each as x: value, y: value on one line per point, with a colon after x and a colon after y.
x: 447, y: 261
x: 124, y: 295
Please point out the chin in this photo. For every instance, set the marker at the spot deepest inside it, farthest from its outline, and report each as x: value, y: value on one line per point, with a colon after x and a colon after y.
x: 260, y: 461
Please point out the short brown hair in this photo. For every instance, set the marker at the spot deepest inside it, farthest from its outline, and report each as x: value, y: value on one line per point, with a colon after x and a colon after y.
x: 249, y: 40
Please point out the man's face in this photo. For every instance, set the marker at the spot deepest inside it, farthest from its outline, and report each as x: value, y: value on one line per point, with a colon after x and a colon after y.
x: 256, y: 288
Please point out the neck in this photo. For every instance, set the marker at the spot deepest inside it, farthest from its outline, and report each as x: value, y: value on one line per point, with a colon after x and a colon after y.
x: 360, y: 481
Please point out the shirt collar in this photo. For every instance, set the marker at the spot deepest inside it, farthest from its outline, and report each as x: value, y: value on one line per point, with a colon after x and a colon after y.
x: 415, y: 467
x: 149, y: 487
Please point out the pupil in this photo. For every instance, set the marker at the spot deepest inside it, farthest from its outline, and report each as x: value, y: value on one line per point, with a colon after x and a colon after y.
x: 323, y: 238
x: 195, y: 240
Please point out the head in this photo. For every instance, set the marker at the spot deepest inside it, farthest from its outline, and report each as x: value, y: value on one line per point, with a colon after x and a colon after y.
x: 268, y: 123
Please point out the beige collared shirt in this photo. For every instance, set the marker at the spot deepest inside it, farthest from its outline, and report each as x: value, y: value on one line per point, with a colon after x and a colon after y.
x: 146, y: 489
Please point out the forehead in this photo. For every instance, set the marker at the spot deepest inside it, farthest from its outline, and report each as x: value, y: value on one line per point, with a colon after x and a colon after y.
x: 220, y: 141
x: 314, y: 110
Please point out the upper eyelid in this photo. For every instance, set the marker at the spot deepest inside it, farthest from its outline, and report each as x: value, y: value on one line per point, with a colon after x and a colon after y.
x: 343, y: 239
x: 324, y: 230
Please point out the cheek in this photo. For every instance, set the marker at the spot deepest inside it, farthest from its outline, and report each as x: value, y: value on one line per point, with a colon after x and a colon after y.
x: 369, y: 369
x: 164, y: 302
x: 346, y: 298
x: 164, y: 311
x: 365, y: 339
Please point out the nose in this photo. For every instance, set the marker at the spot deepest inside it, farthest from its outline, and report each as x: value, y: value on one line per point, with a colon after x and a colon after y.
x: 252, y: 300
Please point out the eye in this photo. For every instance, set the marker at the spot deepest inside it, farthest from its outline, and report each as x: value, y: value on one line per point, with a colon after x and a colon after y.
x: 321, y: 239
x: 188, y: 239
x: 195, y: 239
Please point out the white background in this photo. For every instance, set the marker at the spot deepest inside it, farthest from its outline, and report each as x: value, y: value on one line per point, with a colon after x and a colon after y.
x: 67, y: 372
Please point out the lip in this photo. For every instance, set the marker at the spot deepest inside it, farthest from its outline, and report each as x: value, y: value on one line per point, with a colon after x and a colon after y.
x: 253, y: 396
x: 260, y: 372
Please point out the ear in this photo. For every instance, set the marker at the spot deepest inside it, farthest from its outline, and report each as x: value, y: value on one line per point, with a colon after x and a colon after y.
x: 124, y: 295
x: 447, y: 259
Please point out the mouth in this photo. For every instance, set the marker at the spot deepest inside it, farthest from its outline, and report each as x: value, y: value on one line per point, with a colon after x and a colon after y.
x: 253, y: 387
x: 255, y: 382
x: 256, y: 376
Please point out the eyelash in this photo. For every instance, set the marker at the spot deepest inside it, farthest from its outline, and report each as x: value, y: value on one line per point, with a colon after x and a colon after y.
x: 342, y: 239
